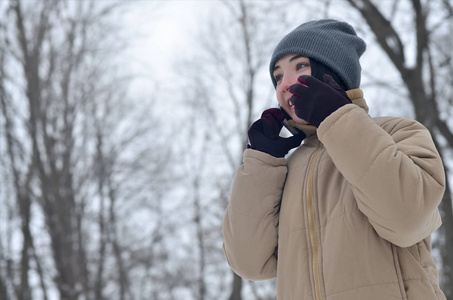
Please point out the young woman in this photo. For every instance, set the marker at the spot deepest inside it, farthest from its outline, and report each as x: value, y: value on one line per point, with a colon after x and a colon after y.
x: 349, y: 213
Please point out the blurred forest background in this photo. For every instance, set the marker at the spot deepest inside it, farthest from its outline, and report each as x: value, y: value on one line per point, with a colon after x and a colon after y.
x: 115, y: 174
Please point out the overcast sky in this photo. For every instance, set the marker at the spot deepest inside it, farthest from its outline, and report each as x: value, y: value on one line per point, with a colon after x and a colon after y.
x: 162, y: 30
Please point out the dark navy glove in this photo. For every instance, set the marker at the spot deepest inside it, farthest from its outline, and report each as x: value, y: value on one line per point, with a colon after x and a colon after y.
x: 264, y: 134
x: 315, y: 100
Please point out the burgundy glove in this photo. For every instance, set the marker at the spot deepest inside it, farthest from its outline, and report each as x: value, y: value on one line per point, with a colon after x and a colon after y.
x: 314, y: 100
x: 264, y: 134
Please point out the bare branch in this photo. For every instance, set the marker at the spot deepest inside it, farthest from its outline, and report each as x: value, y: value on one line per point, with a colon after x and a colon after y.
x: 384, y: 32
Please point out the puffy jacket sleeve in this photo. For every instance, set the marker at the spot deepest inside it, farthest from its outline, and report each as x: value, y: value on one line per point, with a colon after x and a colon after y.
x: 251, y: 218
x: 394, y: 170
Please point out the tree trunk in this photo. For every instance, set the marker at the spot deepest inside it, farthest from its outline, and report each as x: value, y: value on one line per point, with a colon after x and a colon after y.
x: 3, y: 290
x: 237, y: 287
x: 51, y: 163
x: 446, y: 279
x: 23, y: 200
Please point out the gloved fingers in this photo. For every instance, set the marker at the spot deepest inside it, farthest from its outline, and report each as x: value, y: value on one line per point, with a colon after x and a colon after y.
x: 294, y: 141
x: 275, y: 112
x: 311, y: 82
x: 298, y: 90
x: 304, y: 80
x: 304, y: 106
x: 315, y: 83
x: 274, y: 125
x: 257, y: 126
x: 271, y: 127
x: 264, y: 139
x: 267, y: 125
x: 301, y: 109
x: 332, y: 83
x: 298, y: 101
x: 305, y: 83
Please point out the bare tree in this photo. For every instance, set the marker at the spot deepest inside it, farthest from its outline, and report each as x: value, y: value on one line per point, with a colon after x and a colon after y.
x: 50, y: 66
x: 77, y: 159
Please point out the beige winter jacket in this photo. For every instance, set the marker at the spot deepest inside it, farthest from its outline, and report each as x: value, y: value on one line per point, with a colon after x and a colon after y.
x: 347, y: 216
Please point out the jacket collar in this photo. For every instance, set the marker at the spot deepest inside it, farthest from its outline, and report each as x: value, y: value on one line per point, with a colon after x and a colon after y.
x: 356, y: 96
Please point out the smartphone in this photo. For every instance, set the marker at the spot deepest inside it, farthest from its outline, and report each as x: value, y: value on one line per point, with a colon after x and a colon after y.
x: 293, y: 130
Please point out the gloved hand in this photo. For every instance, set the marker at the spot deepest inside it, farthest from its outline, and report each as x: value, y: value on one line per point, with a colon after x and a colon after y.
x: 314, y: 100
x: 264, y: 134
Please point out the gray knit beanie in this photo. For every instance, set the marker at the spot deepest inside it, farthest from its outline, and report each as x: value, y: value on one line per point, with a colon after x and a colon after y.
x: 330, y: 42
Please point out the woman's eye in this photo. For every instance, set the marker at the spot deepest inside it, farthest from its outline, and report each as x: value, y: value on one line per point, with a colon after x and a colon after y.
x: 278, y: 78
x: 301, y: 66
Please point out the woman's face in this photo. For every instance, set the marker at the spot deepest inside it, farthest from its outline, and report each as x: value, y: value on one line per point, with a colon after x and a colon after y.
x: 286, y: 71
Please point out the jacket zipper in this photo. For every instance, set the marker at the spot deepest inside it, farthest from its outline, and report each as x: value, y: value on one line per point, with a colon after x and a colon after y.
x: 312, y: 226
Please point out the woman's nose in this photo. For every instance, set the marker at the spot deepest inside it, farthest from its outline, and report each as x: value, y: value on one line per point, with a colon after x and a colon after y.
x: 287, y: 81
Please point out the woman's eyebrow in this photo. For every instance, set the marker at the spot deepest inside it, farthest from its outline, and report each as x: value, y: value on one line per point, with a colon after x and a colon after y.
x: 295, y: 57
x: 290, y: 60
